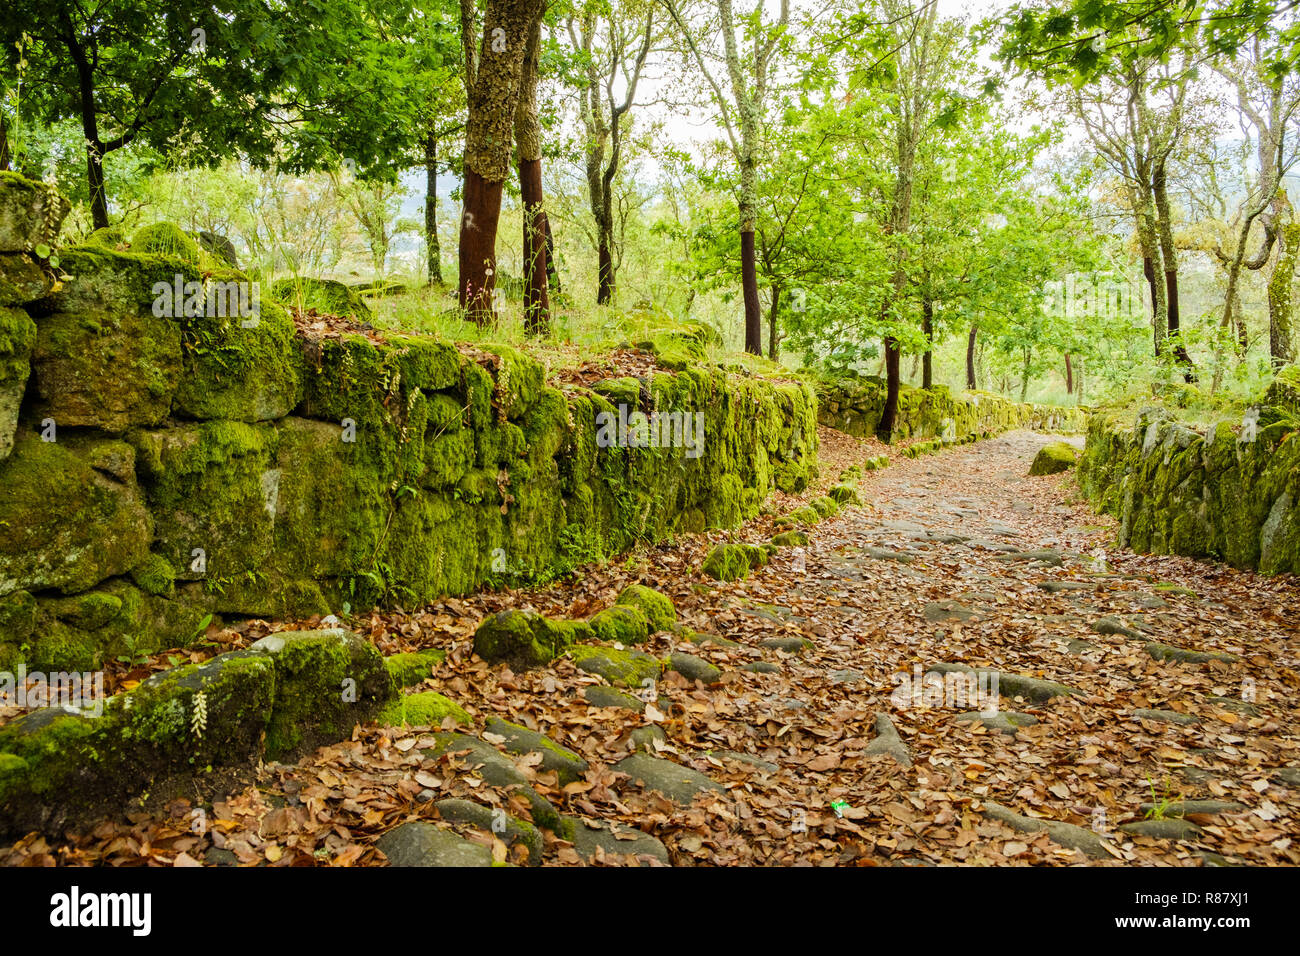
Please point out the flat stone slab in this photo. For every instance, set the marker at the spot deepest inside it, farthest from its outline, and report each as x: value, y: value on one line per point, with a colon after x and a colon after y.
x: 1068, y: 835
x: 761, y: 667
x: 601, y: 696
x: 942, y: 611
x: 790, y: 645
x: 757, y: 762
x: 1012, y: 685
x: 617, y: 841
x: 423, y: 844
x: 1182, y: 808
x: 1055, y: 587
x: 567, y: 765
x: 988, y: 544
x: 888, y: 741
x: 644, y: 738
x: 1113, y: 625
x: 509, y: 830
x: 694, y: 668
x: 845, y: 676
x: 1006, y: 722
x: 1166, y: 716
x: 496, y: 769
x: 1163, y: 829
x: 884, y: 554
x: 677, y: 783
x: 626, y: 668
x: 1167, y: 652
x: 1236, y: 705
x: 1040, y: 557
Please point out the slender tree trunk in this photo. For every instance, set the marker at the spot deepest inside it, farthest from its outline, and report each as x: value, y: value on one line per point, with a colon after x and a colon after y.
x: 749, y: 283
x: 772, y: 337
x: 1069, y: 375
x: 528, y: 140
x: 552, y: 271
x: 927, y: 328
x: 4, y: 143
x: 1169, y: 253
x: 433, y: 253
x: 889, y: 417
x: 970, y: 357
x: 95, y: 180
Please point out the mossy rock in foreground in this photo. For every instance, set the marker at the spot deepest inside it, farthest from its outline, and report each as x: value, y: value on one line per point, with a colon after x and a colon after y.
x: 626, y: 668
x: 326, y: 682
x: 731, y: 562
x: 657, y: 608
x: 1054, y: 458
x: 426, y: 709
x: 522, y: 639
x: 620, y: 624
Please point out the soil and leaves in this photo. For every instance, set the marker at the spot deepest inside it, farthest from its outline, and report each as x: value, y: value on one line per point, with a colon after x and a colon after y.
x: 1146, y: 756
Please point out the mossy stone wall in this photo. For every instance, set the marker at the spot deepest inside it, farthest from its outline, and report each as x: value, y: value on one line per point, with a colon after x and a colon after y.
x: 854, y: 405
x: 1230, y: 491
x: 160, y: 468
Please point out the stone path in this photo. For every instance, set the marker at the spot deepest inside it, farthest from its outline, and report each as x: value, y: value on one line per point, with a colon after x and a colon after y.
x: 959, y: 671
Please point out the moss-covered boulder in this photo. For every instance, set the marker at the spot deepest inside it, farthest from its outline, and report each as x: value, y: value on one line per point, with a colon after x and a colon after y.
x: 326, y: 296
x: 22, y: 280
x: 412, y: 668
x: 522, y: 639
x: 165, y: 239
x: 657, y: 608
x: 625, y: 668
x: 844, y: 494
x: 30, y: 212
x: 57, y: 766
x: 425, y: 709
x: 1054, y: 458
x: 326, y: 683
x: 70, y: 515
x: 17, y: 335
x: 510, y: 830
x: 790, y: 539
x: 620, y: 624
x: 731, y: 562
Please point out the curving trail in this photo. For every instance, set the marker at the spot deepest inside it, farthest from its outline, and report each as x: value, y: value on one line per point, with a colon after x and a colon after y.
x: 1125, y: 680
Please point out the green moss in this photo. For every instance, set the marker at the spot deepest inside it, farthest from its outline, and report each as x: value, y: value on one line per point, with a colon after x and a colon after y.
x: 1054, y: 458
x: 521, y: 638
x: 425, y: 709
x: 412, y: 668
x: 844, y: 494
x: 326, y: 296
x: 657, y: 608
x: 825, y: 506
x: 731, y: 562
x: 326, y: 683
x: 165, y: 239
x: 620, y: 624
x: 789, y: 539
x: 626, y: 668
x: 155, y: 575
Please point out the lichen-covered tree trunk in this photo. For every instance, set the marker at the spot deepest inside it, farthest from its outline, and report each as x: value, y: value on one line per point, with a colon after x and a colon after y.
x: 1281, y: 346
x: 927, y: 329
x: 492, y: 78
x: 528, y: 142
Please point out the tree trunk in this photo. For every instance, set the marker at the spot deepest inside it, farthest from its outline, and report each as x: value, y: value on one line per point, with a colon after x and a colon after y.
x: 1169, y: 253
x: 889, y: 417
x: 1069, y: 375
x: 772, y: 337
x: 477, y: 255
x: 492, y: 85
x: 433, y: 253
x: 1281, y: 342
x: 927, y: 327
x: 552, y: 272
x: 749, y: 283
x: 528, y: 141
x: 970, y: 357
x: 95, y: 180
